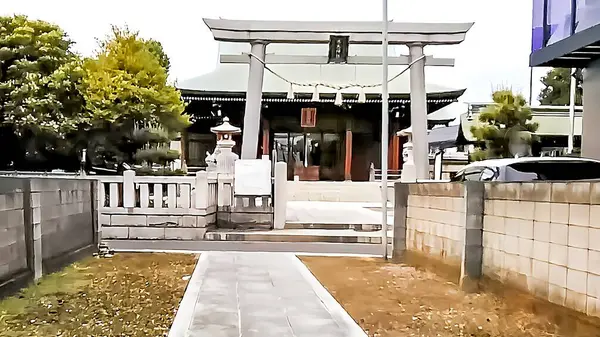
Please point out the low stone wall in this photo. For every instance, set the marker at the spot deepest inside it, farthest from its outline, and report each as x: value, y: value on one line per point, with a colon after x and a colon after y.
x: 47, y: 223
x: 336, y: 191
x: 541, y: 238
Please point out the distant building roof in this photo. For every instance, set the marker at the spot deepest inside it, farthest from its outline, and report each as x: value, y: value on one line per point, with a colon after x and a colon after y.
x: 552, y: 121
x: 445, y: 137
x: 448, y: 113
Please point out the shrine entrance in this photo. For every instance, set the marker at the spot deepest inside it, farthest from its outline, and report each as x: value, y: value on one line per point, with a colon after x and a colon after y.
x: 311, y: 156
x: 340, y: 38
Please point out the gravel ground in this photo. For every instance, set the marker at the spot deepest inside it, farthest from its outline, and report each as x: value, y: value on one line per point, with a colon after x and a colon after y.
x: 391, y: 300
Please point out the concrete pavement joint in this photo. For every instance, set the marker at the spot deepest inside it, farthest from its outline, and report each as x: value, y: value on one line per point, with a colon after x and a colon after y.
x: 187, y: 306
x: 341, y: 317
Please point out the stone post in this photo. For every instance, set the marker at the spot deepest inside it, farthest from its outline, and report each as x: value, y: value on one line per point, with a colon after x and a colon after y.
x: 95, y: 211
x: 401, y: 191
x: 35, y: 203
x: 225, y: 191
x: 201, y: 190
x: 472, y: 257
x: 129, y: 189
x: 280, y: 202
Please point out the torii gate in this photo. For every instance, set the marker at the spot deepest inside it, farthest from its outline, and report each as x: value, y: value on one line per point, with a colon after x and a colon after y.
x: 414, y: 35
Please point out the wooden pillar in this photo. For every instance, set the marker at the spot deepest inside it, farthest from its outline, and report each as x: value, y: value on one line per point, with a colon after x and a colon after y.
x: 184, y: 147
x: 395, y: 153
x: 348, y: 162
x: 401, y: 141
x: 265, y: 137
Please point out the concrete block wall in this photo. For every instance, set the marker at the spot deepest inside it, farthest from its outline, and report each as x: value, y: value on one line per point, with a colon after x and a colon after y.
x: 545, y: 239
x: 65, y: 213
x: 13, y: 244
x: 542, y: 238
x: 45, y: 224
x: 435, y: 221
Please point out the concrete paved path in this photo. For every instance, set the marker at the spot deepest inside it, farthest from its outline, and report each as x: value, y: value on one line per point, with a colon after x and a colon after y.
x: 258, y: 295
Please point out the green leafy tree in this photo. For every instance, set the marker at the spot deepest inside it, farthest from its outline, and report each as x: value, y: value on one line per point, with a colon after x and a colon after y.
x: 40, y: 104
x: 557, y: 88
x: 133, y: 112
x: 156, y: 48
x: 499, y: 123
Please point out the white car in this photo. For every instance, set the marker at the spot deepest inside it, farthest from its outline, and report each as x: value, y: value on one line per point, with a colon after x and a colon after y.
x: 530, y: 169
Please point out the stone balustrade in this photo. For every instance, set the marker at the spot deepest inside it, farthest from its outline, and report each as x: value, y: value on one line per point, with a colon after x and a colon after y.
x: 157, y: 207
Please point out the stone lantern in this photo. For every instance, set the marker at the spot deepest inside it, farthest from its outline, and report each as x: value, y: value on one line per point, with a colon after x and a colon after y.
x: 409, y: 171
x: 223, y: 159
x: 225, y: 132
x: 519, y: 143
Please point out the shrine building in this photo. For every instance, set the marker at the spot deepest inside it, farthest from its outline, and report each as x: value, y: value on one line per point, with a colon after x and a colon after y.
x: 320, y: 106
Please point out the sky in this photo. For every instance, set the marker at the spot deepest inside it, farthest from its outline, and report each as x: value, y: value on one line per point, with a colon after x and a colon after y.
x: 495, y: 53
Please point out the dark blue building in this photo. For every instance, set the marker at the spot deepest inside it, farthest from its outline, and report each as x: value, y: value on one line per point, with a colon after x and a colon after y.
x: 566, y: 34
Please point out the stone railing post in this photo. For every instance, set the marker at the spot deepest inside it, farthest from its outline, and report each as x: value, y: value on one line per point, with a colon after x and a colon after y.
x: 280, y: 202
x: 201, y: 190
x: 225, y: 191
x: 129, y: 189
x: 401, y: 192
x: 472, y: 256
x: 95, y: 210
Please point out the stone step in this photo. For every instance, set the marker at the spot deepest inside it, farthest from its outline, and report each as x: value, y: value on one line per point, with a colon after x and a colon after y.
x: 333, y: 226
x: 310, y: 248
x: 337, y: 226
x: 377, y: 208
x: 298, y: 235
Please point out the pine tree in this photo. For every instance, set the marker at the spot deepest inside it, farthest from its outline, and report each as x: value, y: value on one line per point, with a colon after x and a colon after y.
x: 501, y: 122
x: 557, y: 88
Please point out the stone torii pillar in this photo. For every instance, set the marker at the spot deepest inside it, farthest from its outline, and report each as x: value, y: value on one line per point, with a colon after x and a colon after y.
x: 418, y: 114
x: 253, y: 100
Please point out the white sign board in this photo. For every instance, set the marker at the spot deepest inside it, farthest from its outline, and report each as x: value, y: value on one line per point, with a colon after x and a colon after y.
x: 252, y: 177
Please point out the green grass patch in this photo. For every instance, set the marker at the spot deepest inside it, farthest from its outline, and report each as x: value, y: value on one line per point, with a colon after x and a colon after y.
x: 126, y: 295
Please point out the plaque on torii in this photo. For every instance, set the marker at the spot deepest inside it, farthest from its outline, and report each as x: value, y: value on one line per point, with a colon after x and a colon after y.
x: 338, y: 49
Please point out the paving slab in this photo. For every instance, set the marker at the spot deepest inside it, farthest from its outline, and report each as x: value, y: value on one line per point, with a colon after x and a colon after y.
x: 233, y: 294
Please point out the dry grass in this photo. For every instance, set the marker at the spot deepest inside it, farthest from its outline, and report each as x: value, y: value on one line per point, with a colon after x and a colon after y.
x: 390, y: 300
x: 126, y: 295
